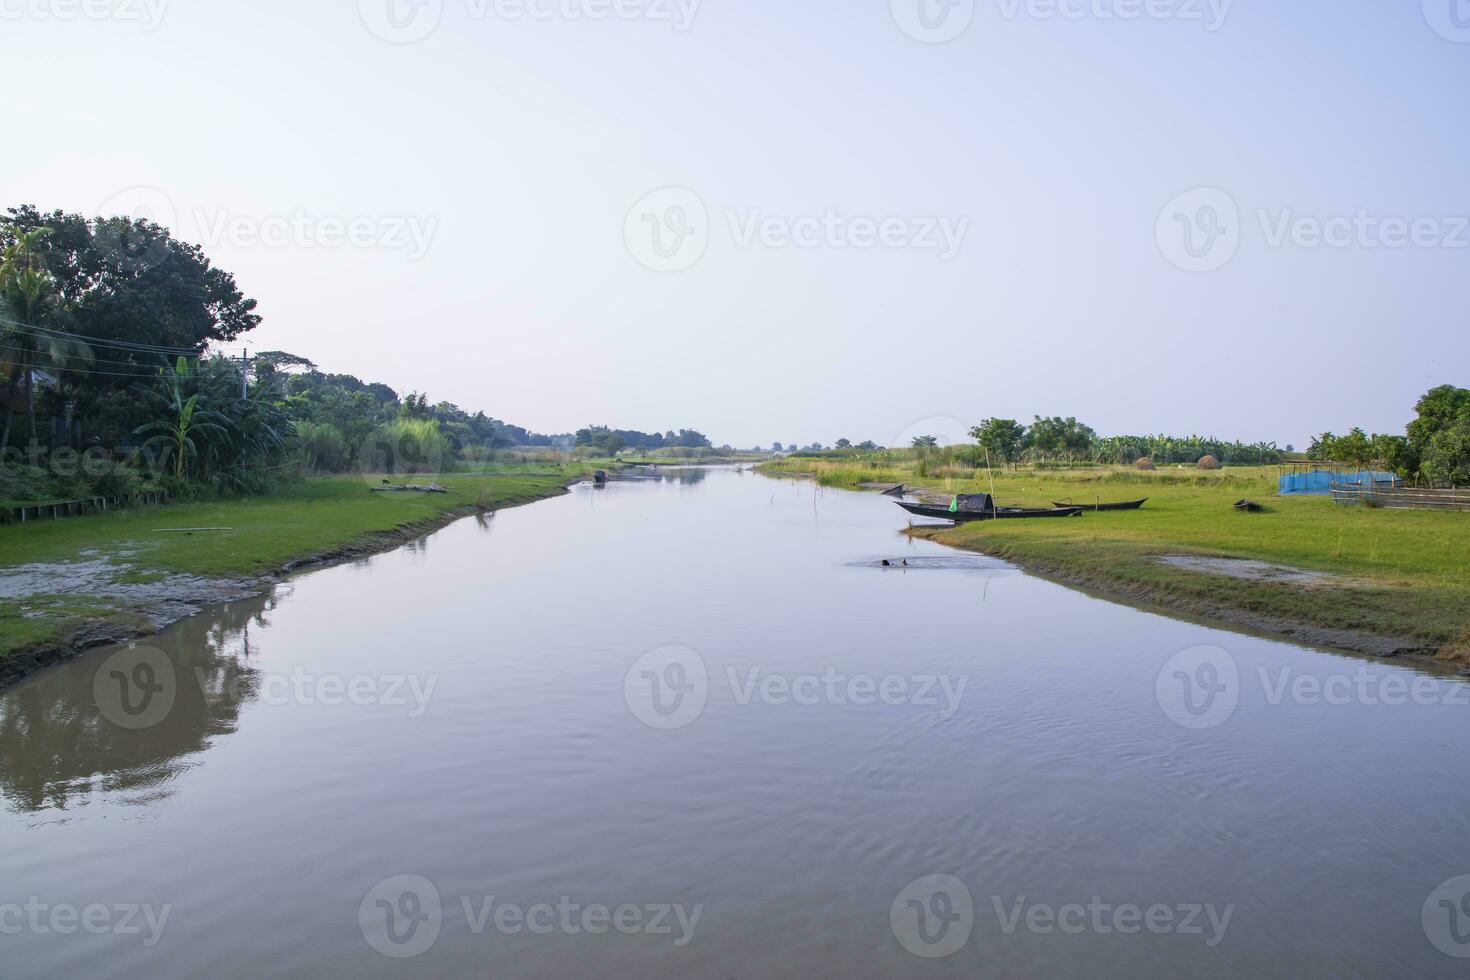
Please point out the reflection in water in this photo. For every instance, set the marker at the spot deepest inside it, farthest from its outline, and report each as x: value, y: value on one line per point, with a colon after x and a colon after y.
x: 57, y: 747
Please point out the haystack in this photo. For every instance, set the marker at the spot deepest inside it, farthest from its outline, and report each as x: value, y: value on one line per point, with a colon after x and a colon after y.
x: 1208, y: 463
x: 1145, y: 464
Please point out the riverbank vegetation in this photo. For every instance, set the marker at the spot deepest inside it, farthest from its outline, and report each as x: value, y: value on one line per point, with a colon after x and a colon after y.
x: 239, y: 539
x: 1391, y: 580
x: 113, y: 385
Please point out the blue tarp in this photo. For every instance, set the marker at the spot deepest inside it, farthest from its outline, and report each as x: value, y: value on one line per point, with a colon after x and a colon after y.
x: 1321, y: 481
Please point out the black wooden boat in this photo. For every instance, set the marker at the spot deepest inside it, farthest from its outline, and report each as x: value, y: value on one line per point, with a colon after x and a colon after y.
x: 942, y: 513
x: 1125, y: 505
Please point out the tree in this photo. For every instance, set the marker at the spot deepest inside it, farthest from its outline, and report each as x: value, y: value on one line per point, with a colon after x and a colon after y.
x: 1004, y: 439
x: 132, y: 281
x: 844, y: 443
x: 1354, y: 448
x: 925, y: 442
x: 31, y: 315
x: 1440, y: 409
x: 1396, y: 454
x: 867, y: 445
x: 1447, y: 457
x: 188, y: 424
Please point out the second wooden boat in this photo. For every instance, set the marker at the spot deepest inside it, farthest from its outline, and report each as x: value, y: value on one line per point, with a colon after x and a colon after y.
x: 942, y: 513
x: 1125, y: 505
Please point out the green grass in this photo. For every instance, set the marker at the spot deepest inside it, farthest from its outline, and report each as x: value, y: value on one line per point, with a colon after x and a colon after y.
x: 1408, y: 571
x: 309, y: 518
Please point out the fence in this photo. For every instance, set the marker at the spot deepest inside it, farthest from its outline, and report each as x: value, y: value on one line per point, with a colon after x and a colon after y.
x: 53, y: 510
x: 1402, y: 497
x: 1323, y: 481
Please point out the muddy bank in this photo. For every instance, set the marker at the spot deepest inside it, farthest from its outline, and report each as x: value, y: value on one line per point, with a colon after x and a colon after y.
x: 1206, y: 611
x: 141, y: 601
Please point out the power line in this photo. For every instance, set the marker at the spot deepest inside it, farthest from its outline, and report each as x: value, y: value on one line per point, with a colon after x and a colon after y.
x: 94, y: 360
x: 103, y: 341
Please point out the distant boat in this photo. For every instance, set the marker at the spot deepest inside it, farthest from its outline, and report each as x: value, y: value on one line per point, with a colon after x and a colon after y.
x: 942, y: 513
x: 1125, y: 505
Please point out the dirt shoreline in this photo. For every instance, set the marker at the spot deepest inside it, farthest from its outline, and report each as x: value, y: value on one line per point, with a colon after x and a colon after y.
x: 1206, y: 612
x: 189, y: 595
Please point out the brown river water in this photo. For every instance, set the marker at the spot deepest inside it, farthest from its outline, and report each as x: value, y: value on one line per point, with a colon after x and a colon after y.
x: 690, y: 727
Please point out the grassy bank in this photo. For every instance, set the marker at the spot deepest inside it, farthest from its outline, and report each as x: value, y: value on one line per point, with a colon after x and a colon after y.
x: 1393, y: 578
x: 312, y: 520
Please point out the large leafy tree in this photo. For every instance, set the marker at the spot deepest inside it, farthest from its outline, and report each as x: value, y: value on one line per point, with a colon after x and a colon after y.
x: 1003, y: 439
x: 131, y: 281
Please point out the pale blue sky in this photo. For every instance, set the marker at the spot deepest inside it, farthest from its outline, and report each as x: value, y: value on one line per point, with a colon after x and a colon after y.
x: 518, y: 147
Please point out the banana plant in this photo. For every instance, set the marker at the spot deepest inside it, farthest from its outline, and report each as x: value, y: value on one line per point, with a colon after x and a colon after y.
x: 188, y: 424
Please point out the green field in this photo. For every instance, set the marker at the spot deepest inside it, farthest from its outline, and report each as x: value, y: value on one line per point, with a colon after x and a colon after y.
x: 310, y: 518
x: 1399, y: 573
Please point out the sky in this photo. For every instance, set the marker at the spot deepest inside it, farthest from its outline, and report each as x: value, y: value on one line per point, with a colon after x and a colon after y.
x: 780, y: 221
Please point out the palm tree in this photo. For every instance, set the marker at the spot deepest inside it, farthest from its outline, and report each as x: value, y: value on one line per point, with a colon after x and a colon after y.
x: 30, y: 310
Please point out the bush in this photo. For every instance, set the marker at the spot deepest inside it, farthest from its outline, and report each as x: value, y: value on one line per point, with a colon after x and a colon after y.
x: 407, y: 446
x: 322, y: 448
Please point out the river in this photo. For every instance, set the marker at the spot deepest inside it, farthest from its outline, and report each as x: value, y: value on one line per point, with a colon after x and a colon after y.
x: 692, y: 727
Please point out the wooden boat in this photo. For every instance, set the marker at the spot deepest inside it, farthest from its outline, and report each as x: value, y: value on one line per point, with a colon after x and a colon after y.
x: 1125, y: 505
x: 942, y: 513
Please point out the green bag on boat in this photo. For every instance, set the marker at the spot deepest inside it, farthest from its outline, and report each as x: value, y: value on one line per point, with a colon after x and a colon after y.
x: 954, y: 506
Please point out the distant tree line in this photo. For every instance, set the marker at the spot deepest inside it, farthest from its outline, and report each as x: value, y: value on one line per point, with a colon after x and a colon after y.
x: 609, y: 442
x: 1057, y: 439
x: 109, y: 334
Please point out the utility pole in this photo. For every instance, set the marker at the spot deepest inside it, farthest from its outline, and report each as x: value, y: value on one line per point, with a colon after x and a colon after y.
x: 244, y: 392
